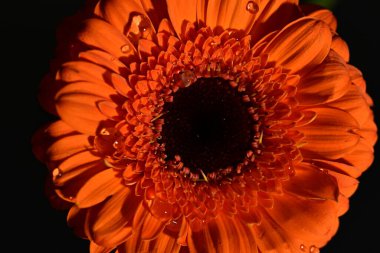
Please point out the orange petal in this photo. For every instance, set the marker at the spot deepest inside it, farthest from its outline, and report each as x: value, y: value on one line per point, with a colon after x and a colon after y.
x: 247, y: 241
x: 311, y: 183
x: 343, y: 205
x: 76, y: 104
x: 47, y: 135
x: 233, y: 14
x: 99, y: 34
x: 164, y: 243
x: 315, y: 218
x: 156, y: 10
x: 337, y: 166
x: 82, y: 71
x: 331, y: 135
x: 323, y: 14
x: 76, y: 219
x: 270, y: 237
x: 119, y: 12
x: 358, y: 80
x: 354, y: 103
x: 152, y: 227
x: 361, y: 157
x: 105, y: 60
x: 68, y: 146
x: 222, y: 234
x: 369, y: 131
x: 98, y: 188
x: 201, y: 241
x: 180, y: 11
x: 300, y: 45
x: 94, y: 248
x: 110, y: 109
x: 75, y: 164
x: 106, y: 224
x: 341, y: 47
x: 327, y: 82
x: 347, y: 185
x: 134, y: 244
x: 273, y: 15
x: 147, y: 48
x: 74, y: 172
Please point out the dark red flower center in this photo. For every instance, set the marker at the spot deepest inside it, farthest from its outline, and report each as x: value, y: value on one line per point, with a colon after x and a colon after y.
x: 208, y: 125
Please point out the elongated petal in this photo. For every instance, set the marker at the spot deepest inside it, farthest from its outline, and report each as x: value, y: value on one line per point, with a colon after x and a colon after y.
x: 327, y: 82
x: 98, y: 34
x: 315, y: 218
x: 119, y: 12
x: 323, y: 14
x: 94, y: 248
x: 231, y: 14
x: 361, y: 157
x: 270, y: 236
x: 354, y: 103
x: 274, y: 15
x: 152, y: 227
x: 311, y: 183
x: 98, y: 188
x: 331, y: 134
x: 47, y: 135
x: 106, y: 224
x: 182, y: 10
x: 301, y: 45
x: 347, y: 185
x: 77, y: 105
x: 68, y: 146
x: 164, y: 243
x: 341, y: 47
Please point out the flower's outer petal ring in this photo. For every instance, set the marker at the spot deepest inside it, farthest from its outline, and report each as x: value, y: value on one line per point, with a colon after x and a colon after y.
x: 331, y: 135
x: 274, y: 15
x: 301, y: 45
x: 77, y: 105
x: 98, y: 188
x: 326, y: 82
x: 311, y: 183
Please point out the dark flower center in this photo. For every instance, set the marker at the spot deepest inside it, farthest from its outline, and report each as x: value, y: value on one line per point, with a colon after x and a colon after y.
x: 207, y: 125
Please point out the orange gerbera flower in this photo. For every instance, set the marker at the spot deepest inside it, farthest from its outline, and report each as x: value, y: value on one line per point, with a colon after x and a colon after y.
x: 206, y: 126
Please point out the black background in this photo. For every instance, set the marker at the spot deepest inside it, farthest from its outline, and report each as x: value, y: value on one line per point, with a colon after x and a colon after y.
x: 27, y: 35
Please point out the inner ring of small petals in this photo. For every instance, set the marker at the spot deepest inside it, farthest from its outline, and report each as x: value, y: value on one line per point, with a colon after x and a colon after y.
x: 207, y: 125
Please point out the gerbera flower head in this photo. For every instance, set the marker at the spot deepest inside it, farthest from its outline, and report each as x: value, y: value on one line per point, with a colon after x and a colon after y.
x: 205, y: 126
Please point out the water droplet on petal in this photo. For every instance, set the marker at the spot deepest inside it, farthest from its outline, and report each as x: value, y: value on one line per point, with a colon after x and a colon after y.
x: 302, y: 247
x: 104, y: 131
x: 187, y: 78
x: 57, y: 173
x: 140, y: 28
x: 314, y: 249
x: 161, y: 209
x: 252, y: 7
x: 125, y: 49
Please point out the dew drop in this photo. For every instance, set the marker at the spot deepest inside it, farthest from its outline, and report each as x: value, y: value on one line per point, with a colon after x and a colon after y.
x: 314, y: 249
x: 161, y: 209
x: 125, y: 49
x: 140, y: 28
x: 104, y: 131
x: 57, y: 173
x: 252, y: 7
x: 187, y: 78
x: 302, y: 247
